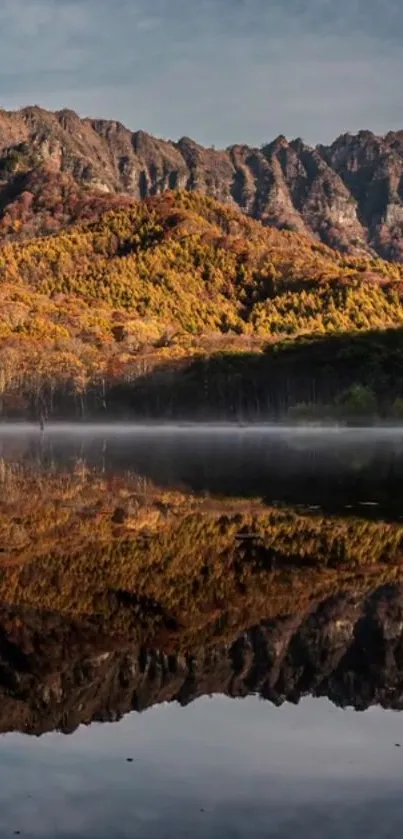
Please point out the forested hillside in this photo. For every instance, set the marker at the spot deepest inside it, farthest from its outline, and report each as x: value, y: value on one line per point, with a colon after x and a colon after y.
x: 157, y: 285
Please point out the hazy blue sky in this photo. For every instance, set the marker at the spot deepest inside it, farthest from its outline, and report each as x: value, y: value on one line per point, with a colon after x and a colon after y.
x: 219, y: 70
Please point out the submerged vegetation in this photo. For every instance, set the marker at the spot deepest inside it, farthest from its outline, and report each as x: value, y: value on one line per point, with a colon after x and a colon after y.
x: 93, y: 314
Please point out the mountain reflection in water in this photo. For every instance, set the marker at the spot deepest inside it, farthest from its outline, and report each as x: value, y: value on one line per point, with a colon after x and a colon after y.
x: 153, y: 568
x: 135, y: 571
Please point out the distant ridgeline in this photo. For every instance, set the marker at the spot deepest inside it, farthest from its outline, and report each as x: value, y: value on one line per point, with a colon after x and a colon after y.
x: 182, y: 307
x: 117, y: 594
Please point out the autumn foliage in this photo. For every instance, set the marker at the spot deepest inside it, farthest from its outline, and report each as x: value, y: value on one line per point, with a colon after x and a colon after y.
x: 104, y: 301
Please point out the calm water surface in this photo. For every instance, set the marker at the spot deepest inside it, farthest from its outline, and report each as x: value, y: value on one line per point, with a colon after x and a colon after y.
x: 201, y: 633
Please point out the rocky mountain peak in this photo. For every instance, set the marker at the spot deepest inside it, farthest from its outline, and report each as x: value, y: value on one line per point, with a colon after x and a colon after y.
x: 348, y: 194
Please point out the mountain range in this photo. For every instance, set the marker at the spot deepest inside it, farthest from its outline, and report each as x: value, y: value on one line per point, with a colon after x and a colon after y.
x: 56, y: 168
x: 147, y: 277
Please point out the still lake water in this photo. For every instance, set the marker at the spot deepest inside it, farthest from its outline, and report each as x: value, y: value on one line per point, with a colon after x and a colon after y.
x: 201, y: 632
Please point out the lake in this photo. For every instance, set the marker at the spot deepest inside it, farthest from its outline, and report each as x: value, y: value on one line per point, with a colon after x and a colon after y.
x: 201, y: 632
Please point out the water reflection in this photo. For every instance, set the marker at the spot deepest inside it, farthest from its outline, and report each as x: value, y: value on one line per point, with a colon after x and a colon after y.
x: 215, y: 769
x: 119, y: 593
x: 58, y: 672
x: 333, y: 468
x: 146, y: 572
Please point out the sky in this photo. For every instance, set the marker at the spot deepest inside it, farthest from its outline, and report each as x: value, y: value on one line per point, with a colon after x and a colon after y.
x: 220, y: 71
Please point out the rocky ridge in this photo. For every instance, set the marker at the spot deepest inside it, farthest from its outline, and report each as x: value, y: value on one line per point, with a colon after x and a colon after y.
x: 348, y: 194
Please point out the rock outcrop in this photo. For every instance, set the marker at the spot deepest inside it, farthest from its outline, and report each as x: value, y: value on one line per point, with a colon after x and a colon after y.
x: 349, y: 194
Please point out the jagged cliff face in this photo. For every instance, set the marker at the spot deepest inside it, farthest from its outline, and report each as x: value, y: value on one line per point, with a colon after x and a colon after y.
x: 57, y: 672
x: 348, y: 194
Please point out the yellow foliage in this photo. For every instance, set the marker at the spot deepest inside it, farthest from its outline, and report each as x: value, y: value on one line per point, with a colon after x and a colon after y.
x: 159, y: 277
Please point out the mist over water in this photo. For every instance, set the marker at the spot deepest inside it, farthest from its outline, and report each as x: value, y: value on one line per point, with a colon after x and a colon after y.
x: 335, y: 468
x: 112, y: 601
